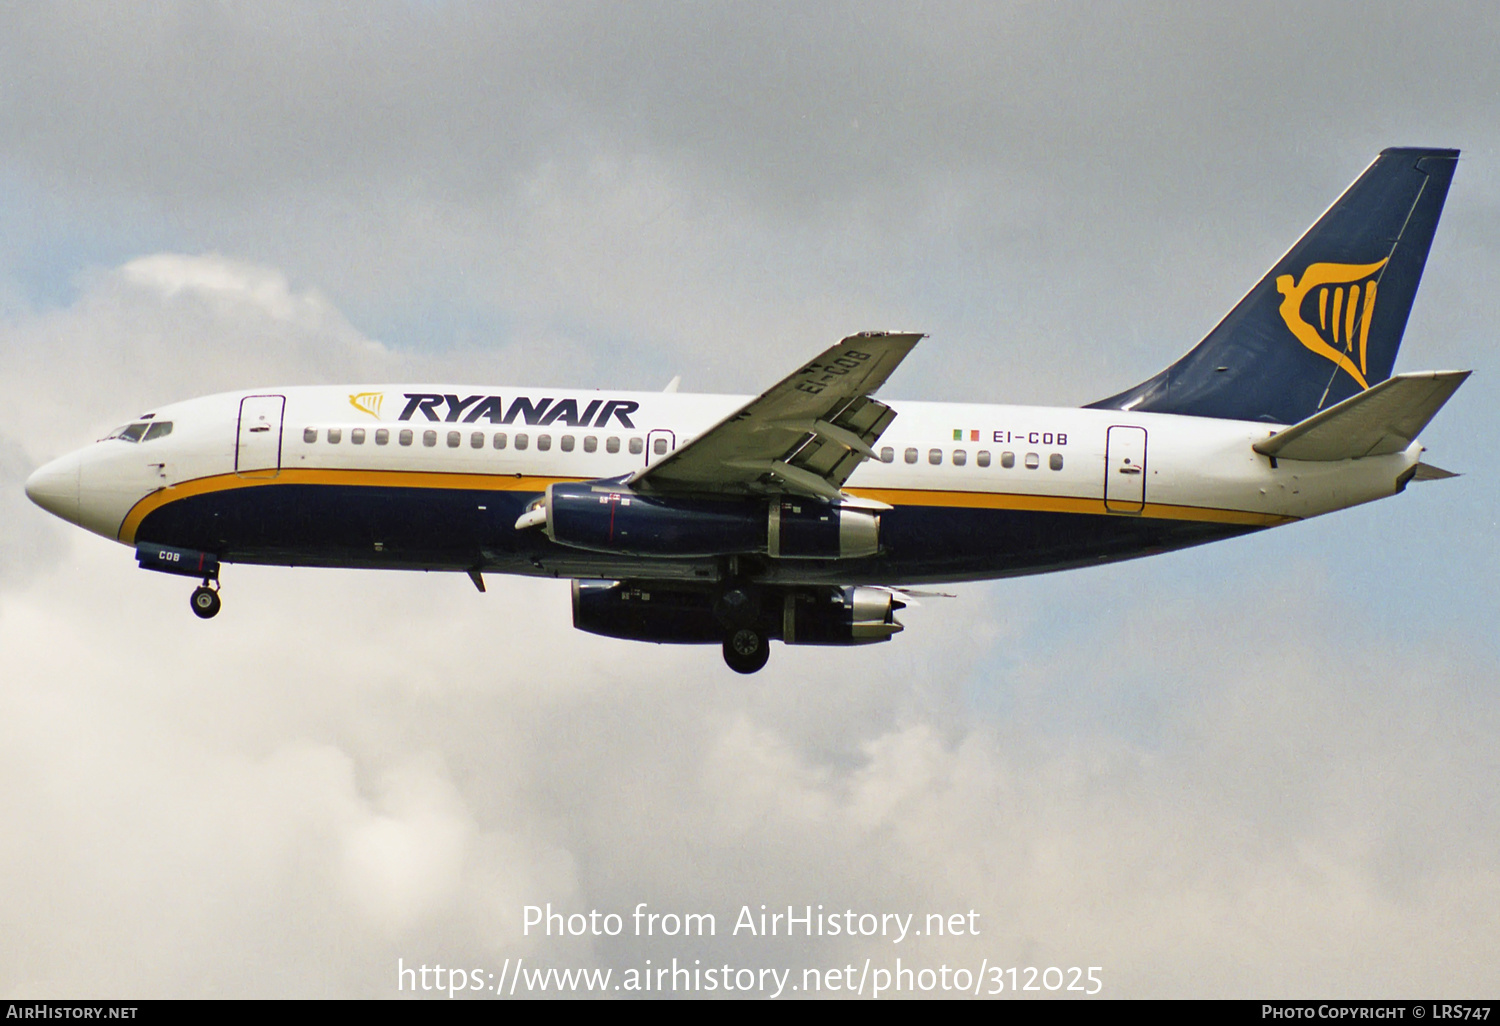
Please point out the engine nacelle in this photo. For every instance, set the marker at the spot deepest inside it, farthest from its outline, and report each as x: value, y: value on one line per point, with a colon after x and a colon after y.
x: 602, y: 519
x: 646, y: 611
x: 667, y: 612
x: 607, y: 518
x: 807, y: 529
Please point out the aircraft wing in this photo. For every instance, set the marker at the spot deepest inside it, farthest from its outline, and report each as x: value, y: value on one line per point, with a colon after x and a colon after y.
x: 804, y: 435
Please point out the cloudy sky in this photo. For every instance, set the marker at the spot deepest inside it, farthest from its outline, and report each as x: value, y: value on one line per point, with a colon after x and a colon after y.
x: 1262, y: 768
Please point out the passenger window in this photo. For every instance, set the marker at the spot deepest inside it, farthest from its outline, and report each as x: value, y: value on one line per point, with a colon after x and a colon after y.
x: 590, y: 443
x: 888, y: 455
x: 1055, y: 461
x: 960, y: 457
x: 911, y: 455
x: 982, y: 457
x: 158, y: 430
x: 382, y: 436
x: 935, y: 456
x: 543, y: 442
x: 522, y: 440
x: 405, y: 436
x: 612, y: 444
x: 1033, y: 461
x: 1007, y: 460
x: 660, y: 445
x: 429, y: 438
x: 565, y: 443
x: 455, y: 439
x: 335, y: 436
x: 309, y: 435
x: 499, y: 439
x: 357, y: 436
x: 637, y: 446
x: 476, y: 440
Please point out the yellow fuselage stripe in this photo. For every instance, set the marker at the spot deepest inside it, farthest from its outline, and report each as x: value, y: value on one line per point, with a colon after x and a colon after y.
x: 525, y: 483
x: 360, y: 478
x: 1065, y: 504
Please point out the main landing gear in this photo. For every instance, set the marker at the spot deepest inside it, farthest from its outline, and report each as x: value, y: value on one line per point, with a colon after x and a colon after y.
x: 206, y: 600
x: 746, y: 650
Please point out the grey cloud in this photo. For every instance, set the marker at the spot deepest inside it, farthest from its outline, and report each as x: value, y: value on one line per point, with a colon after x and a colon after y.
x: 214, y: 100
x: 28, y: 540
x: 1037, y: 186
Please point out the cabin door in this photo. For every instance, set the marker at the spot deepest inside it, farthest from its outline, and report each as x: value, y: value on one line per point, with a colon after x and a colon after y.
x: 257, y: 452
x: 1125, y: 470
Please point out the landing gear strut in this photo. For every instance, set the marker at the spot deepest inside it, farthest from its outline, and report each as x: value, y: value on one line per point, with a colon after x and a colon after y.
x: 746, y: 650
x: 206, y: 600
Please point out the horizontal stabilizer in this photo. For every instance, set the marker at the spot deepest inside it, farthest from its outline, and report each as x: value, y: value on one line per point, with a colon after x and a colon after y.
x: 1381, y: 420
x: 1427, y: 472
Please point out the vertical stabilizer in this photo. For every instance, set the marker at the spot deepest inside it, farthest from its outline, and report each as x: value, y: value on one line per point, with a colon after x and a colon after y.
x: 1326, y: 321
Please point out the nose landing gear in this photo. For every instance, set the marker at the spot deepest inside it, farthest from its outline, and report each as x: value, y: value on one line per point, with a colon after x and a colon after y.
x: 206, y: 600
x: 168, y: 559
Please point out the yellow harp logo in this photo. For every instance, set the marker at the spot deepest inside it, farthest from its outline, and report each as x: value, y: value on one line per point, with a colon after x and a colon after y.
x: 368, y: 402
x: 1345, y: 295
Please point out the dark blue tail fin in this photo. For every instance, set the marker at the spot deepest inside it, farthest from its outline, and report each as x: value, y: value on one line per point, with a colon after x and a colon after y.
x: 1326, y: 322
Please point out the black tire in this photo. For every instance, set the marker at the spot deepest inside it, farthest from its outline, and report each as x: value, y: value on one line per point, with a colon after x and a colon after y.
x: 746, y: 650
x: 206, y: 603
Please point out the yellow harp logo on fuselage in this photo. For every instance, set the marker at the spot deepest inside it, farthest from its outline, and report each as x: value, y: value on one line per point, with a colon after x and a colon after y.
x: 1345, y: 295
x: 368, y: 402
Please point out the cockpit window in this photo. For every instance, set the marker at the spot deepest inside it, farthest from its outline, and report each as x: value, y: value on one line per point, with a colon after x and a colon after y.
x: 135, y: 432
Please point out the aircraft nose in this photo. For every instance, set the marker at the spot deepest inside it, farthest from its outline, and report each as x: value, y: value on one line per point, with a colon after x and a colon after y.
x: 54, y: 487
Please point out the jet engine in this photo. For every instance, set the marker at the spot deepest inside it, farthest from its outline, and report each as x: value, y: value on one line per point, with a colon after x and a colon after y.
x: 838, y: 616
x: 607, y: 518
x: 668, y: 612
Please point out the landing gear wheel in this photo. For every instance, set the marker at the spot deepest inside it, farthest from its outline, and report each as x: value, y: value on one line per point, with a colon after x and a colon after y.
x: 206, y: 602
x: 746, y: 650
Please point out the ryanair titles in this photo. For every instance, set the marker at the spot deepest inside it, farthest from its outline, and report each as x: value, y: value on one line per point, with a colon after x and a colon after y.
x: 452, y: 409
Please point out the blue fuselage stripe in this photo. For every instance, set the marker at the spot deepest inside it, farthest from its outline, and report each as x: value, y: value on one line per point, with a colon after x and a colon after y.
x: 337, y: 525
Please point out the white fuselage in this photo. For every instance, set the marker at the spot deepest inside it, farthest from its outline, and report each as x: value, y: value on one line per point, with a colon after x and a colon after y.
x: 934, y: 455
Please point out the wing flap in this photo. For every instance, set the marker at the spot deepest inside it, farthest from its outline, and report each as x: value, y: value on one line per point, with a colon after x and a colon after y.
x: 806, y: 434
x: 1381, y: 420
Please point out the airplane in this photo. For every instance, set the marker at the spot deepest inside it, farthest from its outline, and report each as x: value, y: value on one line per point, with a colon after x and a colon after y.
x: 807, y: 513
